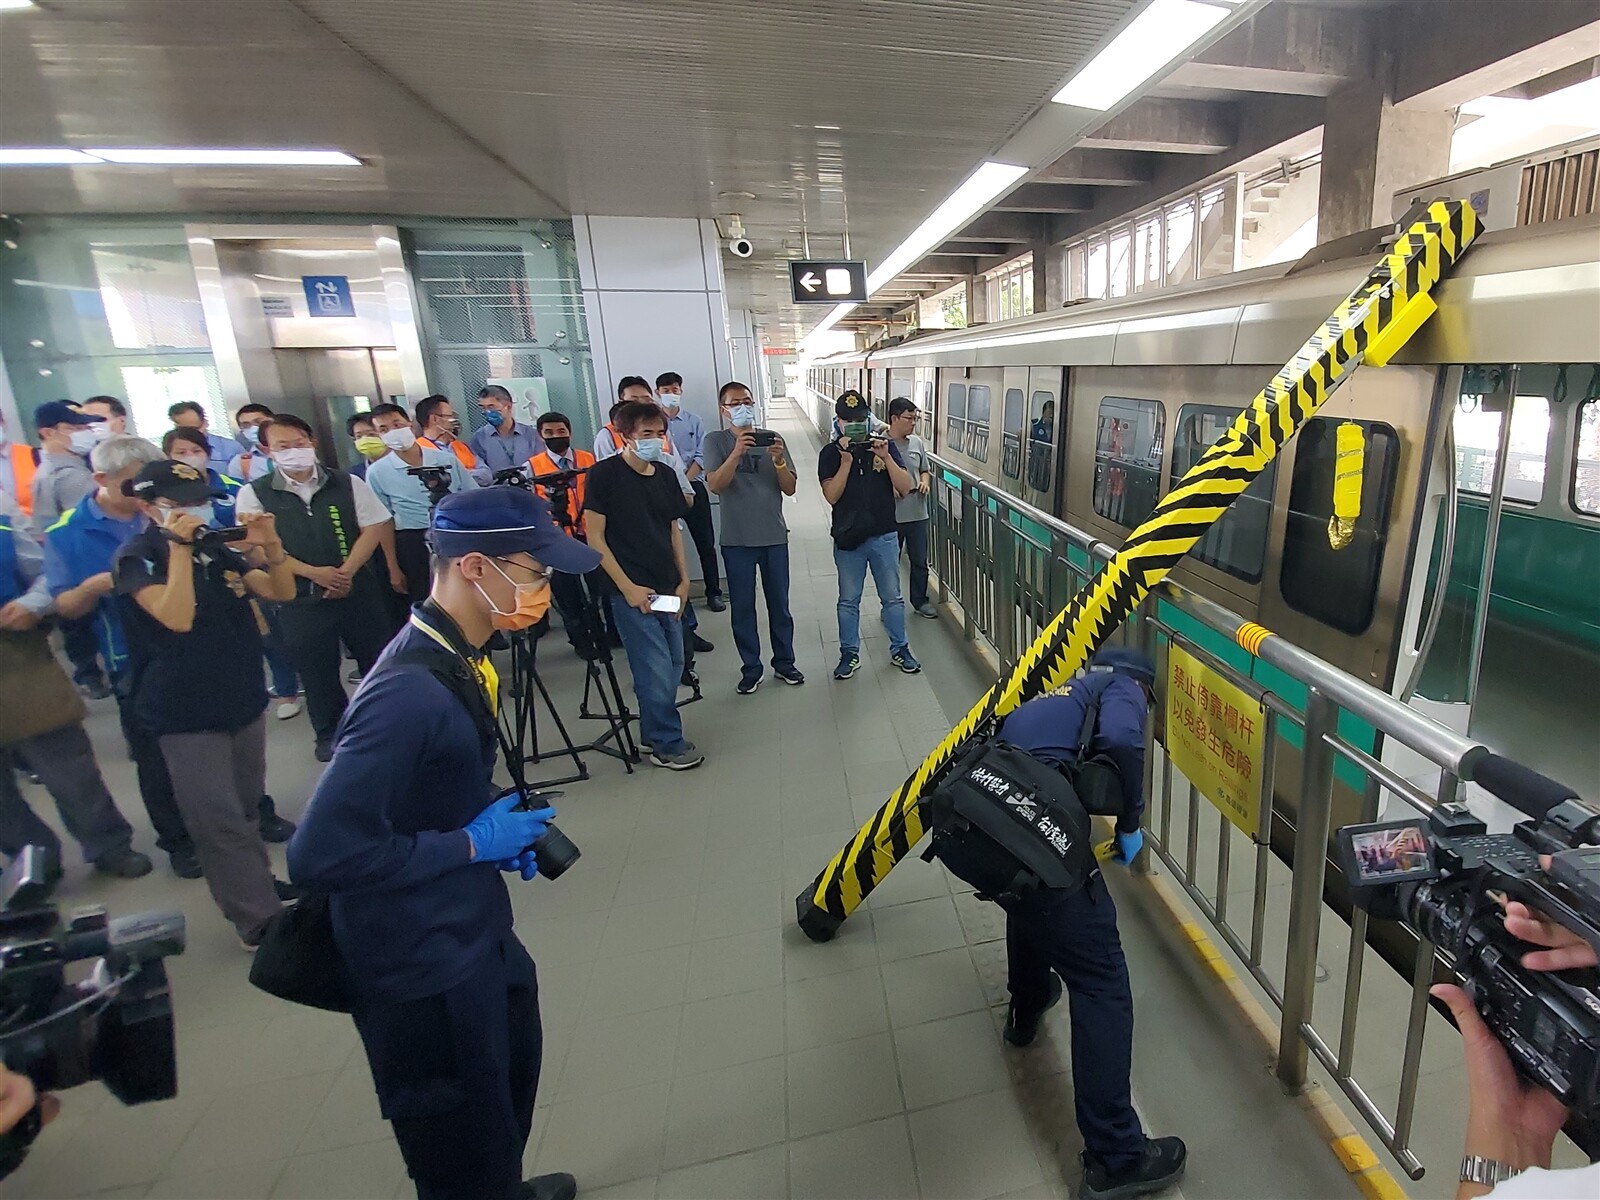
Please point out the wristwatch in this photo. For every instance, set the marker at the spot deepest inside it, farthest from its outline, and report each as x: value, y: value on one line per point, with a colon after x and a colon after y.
x: 1488, y: 1172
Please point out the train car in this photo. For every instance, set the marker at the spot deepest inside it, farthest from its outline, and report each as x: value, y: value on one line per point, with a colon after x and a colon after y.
x: 1092, y: 412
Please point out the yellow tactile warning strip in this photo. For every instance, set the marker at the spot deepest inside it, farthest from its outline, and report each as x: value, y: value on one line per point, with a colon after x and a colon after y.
x: 1389, y: 305
x: 1353, y: 1151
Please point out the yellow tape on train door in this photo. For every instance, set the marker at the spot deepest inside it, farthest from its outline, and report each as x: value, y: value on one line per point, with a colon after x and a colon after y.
x: 1374, y: 321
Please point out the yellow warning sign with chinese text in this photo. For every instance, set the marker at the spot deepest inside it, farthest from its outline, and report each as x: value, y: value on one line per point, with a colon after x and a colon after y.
x: 1216, y: 735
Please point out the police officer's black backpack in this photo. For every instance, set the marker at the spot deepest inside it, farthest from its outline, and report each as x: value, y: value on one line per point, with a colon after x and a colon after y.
x: 1009, y: 825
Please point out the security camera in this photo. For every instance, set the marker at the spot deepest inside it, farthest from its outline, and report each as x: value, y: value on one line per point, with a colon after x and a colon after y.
x: 741, y: 247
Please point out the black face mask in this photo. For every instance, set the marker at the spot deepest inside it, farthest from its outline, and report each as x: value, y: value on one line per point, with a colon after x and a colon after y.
x: 558, y: 445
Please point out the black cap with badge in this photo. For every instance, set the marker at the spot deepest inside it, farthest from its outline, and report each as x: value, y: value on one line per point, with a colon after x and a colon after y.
x: 171, y: 480
x: 852, y: 406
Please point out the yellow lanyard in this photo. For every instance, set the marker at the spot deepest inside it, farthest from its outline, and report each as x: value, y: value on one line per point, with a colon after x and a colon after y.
x: 483, y: 667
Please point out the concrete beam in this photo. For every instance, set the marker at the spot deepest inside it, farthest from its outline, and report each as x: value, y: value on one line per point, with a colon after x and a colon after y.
x: 946, y: 264
x: 976, y: 248
x: 1169, y: 127
x: 1449, y: 53
x: 1001, y: 227
x: 1047, y: 198
x: 1097, y: 168
x: 1292, y: 49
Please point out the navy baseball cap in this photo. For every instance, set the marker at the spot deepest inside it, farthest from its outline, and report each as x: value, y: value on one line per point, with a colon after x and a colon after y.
x: 1122, y: 660
x: 852, y: 406
x: 505, y: 520
x: 169, y: 479
x: 62, y: 412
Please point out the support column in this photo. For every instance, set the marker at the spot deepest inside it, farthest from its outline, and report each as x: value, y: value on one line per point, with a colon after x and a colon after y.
x: 1370, y: 150
x: 977, y: 300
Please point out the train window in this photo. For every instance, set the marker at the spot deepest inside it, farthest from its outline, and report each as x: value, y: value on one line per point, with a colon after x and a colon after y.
x: 1041, y: 438
x: 1236, y: 544
x: 925, y: 423
x: 1586, y: 458
x: 1477, y: 430
x: 1337, y: 587
x: 978, y: 418
x: 1011, y: 415
x: 955, y: 421
x: 1127, y: 459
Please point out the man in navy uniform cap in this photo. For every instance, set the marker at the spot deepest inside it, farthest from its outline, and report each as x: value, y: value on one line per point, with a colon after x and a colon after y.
x: 1055, y: 937
x: 406, y: 836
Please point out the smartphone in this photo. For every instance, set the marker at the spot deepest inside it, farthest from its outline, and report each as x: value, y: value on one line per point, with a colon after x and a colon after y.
x: 665, y: 604
x: 766, y: 437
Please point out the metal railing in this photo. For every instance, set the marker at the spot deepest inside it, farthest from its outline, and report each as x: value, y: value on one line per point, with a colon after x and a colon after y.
x: 1010, y: 568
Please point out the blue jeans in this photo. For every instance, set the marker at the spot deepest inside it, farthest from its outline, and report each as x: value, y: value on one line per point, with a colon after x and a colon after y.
x: 285, y: 682
x: 741, y: 563
x: 882, y: 554
x: 654, y: 645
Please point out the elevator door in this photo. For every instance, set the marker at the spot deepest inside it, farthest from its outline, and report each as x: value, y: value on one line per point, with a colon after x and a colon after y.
x: 340, y: 383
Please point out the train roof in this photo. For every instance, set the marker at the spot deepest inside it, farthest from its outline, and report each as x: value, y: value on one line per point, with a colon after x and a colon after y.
x: 1522, y: 295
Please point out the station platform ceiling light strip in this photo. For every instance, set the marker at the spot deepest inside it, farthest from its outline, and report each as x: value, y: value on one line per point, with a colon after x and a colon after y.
x: 1370, y: 325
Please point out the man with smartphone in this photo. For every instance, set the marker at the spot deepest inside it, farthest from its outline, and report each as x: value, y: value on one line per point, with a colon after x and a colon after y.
x: 633, y: 504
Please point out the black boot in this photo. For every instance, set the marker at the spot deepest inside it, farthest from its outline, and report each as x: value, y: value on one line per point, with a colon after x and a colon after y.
x: 549, y: 1187
x: 273, y: 827
x: 1160, y: 1168
x: 1022, y: 1028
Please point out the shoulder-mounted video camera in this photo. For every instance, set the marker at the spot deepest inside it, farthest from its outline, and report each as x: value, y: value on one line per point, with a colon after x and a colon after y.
x: 1441, y: 876
x: 113, y: 1023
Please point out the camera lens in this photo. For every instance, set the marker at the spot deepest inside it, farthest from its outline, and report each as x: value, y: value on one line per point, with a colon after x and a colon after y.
x: 554, y: 852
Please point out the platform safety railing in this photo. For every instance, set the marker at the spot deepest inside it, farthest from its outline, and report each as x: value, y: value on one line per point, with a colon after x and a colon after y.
x: 1009, y: 567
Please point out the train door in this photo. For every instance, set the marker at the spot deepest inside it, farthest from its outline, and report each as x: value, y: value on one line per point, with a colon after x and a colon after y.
x: 878, y: 381
x: 1013, y: 429
x: 1044, y: 430
x: 927, y: 398
x: 985, y: 390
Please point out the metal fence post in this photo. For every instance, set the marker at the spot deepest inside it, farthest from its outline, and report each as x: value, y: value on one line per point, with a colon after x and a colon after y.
x: 1312, y: 826
x: 1005, y: 589
x: 969, y: 558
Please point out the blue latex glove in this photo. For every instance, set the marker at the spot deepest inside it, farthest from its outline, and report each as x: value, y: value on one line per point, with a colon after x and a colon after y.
x: 1128, y: 846
x: 500, y: 832
x: 526, y: 863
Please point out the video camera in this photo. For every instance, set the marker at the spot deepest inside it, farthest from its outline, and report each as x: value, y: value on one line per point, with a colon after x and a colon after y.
x: 114, y: 1024
x: 1442, y: 876
x: 436, y: 479
x: 559, y: 485
x: 211, y: 537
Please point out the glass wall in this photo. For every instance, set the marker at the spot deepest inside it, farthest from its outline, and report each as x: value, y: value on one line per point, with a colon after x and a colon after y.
x: 1009, y: 289
x: 1191, y: 237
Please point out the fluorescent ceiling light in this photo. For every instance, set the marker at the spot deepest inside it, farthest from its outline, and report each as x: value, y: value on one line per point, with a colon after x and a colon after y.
x: 45, y: 156
x: 191, y: 156
x: 1159, y: 34
x: 12, y: 5
x: 982, y: 186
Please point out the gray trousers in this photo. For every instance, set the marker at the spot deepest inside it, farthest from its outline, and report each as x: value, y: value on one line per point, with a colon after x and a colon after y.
x: 64, y: 761
x: 218, y: 779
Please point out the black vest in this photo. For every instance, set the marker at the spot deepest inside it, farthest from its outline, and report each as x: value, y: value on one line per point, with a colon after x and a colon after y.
x: 319, y: 534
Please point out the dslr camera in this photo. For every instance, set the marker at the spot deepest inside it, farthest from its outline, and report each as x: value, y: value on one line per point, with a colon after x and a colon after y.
x: 1442, y: 877
x: 557, y: 484
x: 436, y: 480
x: 114, y: 1022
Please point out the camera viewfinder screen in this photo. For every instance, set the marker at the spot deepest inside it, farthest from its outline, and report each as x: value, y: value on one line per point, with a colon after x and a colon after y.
x: 1382, y: 855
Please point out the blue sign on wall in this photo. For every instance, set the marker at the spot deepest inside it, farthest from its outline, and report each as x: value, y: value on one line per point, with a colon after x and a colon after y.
x: 328, y: 295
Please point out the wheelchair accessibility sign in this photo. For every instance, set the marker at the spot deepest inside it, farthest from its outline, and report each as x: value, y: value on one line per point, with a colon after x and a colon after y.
x: 328, y: 295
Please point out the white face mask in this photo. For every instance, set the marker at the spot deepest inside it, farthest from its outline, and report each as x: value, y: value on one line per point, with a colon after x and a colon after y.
x: 296, y: 458
x: 201, y: 512
x: 86, y: 438
x: 197, y: 461
x: 398, y: 439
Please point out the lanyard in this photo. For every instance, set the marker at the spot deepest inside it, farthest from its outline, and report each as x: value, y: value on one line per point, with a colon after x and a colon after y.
x: 482, y: 668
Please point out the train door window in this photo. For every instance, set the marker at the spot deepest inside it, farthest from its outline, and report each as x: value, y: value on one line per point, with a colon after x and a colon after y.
x: 1236, y: 544
x: 1127, y: 459
x: 1337, y: 587
x: 955, y: 421
x: 1586, y: 458
x: 880, y: 392
x: 1478, y: 414
x: 1041, y: 441
x: 1011, y: 415
x: 925, y: 422
x: 978, y: 416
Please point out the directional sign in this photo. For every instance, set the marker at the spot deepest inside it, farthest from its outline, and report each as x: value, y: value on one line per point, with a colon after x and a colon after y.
x: 817, y: 282
x: 328, y: 295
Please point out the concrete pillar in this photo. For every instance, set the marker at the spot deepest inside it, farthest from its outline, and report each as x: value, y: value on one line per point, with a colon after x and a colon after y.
x: 977, y: 300
x: 1041, y: 277
x: 1370, y: 150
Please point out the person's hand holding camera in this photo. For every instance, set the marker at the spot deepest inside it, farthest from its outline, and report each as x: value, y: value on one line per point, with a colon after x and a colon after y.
x: 183, y: 527
x: 261, y: 531
x: 501, y: 832
x: 744, y: 438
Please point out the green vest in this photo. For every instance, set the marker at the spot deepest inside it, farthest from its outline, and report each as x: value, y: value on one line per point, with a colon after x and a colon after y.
x: 319, y: 534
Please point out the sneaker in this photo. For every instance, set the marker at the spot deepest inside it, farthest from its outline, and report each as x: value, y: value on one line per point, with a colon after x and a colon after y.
x: 926, y: 609
x: 748, y: 685
x: 288, y: 707
x: 185, y: 863
x: 1021, y: 1029
x: 686, y: 759
x: 1160, y: 1168
x: 905, y: 662
x: 849, y: 664
x: 548, y: 1187
x: 354, y: 676
x: 249, y: 946
x: 287, y: 892
x: 276, y: 829
x: 790, y: 675
x: 324, y: 750
x: 716, y: 603
x: 94, y: 689
x: 701, y: 646
x: 126, y: 863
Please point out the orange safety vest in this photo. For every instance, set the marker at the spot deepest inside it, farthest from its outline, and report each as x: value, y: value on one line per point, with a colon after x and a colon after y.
x: 23, y: 468
x: 460, y: 449
x: 544, y: 463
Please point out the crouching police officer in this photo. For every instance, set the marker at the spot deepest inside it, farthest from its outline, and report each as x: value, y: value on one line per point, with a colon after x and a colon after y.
x: 1056, y: 937
x: 403, y: 834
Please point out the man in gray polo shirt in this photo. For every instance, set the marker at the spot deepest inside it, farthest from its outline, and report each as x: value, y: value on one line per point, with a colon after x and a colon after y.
x: 752, y: 481
x: 911, y: 510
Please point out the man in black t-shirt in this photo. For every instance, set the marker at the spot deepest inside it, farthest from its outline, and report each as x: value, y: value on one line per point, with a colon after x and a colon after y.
x: 199, y: 684
x: 632, y: 505
x: 862, y: 475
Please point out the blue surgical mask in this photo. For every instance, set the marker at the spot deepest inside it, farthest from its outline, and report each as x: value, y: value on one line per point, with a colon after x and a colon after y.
x: 201, y: 512
x: 650, y: 449
x: 250, y: 435
x: 742, y: 414
x: 494, y: 417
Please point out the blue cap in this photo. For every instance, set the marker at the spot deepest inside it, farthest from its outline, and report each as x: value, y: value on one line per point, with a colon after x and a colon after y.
x: 1122, y: 660
x: 505, y: 520
x: 62, y: 412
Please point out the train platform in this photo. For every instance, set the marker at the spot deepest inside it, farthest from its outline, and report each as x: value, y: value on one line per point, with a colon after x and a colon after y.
x: 696, y: 1044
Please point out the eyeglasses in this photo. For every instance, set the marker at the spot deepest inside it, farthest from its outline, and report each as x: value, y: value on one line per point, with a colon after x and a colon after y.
x: 541, y: 573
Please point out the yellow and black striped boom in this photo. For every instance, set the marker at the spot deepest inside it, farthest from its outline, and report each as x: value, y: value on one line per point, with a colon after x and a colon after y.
x: 1369, y: 326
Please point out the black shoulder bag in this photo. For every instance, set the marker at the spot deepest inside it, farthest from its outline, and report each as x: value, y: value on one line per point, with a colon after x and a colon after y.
x: 1095, y: 777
